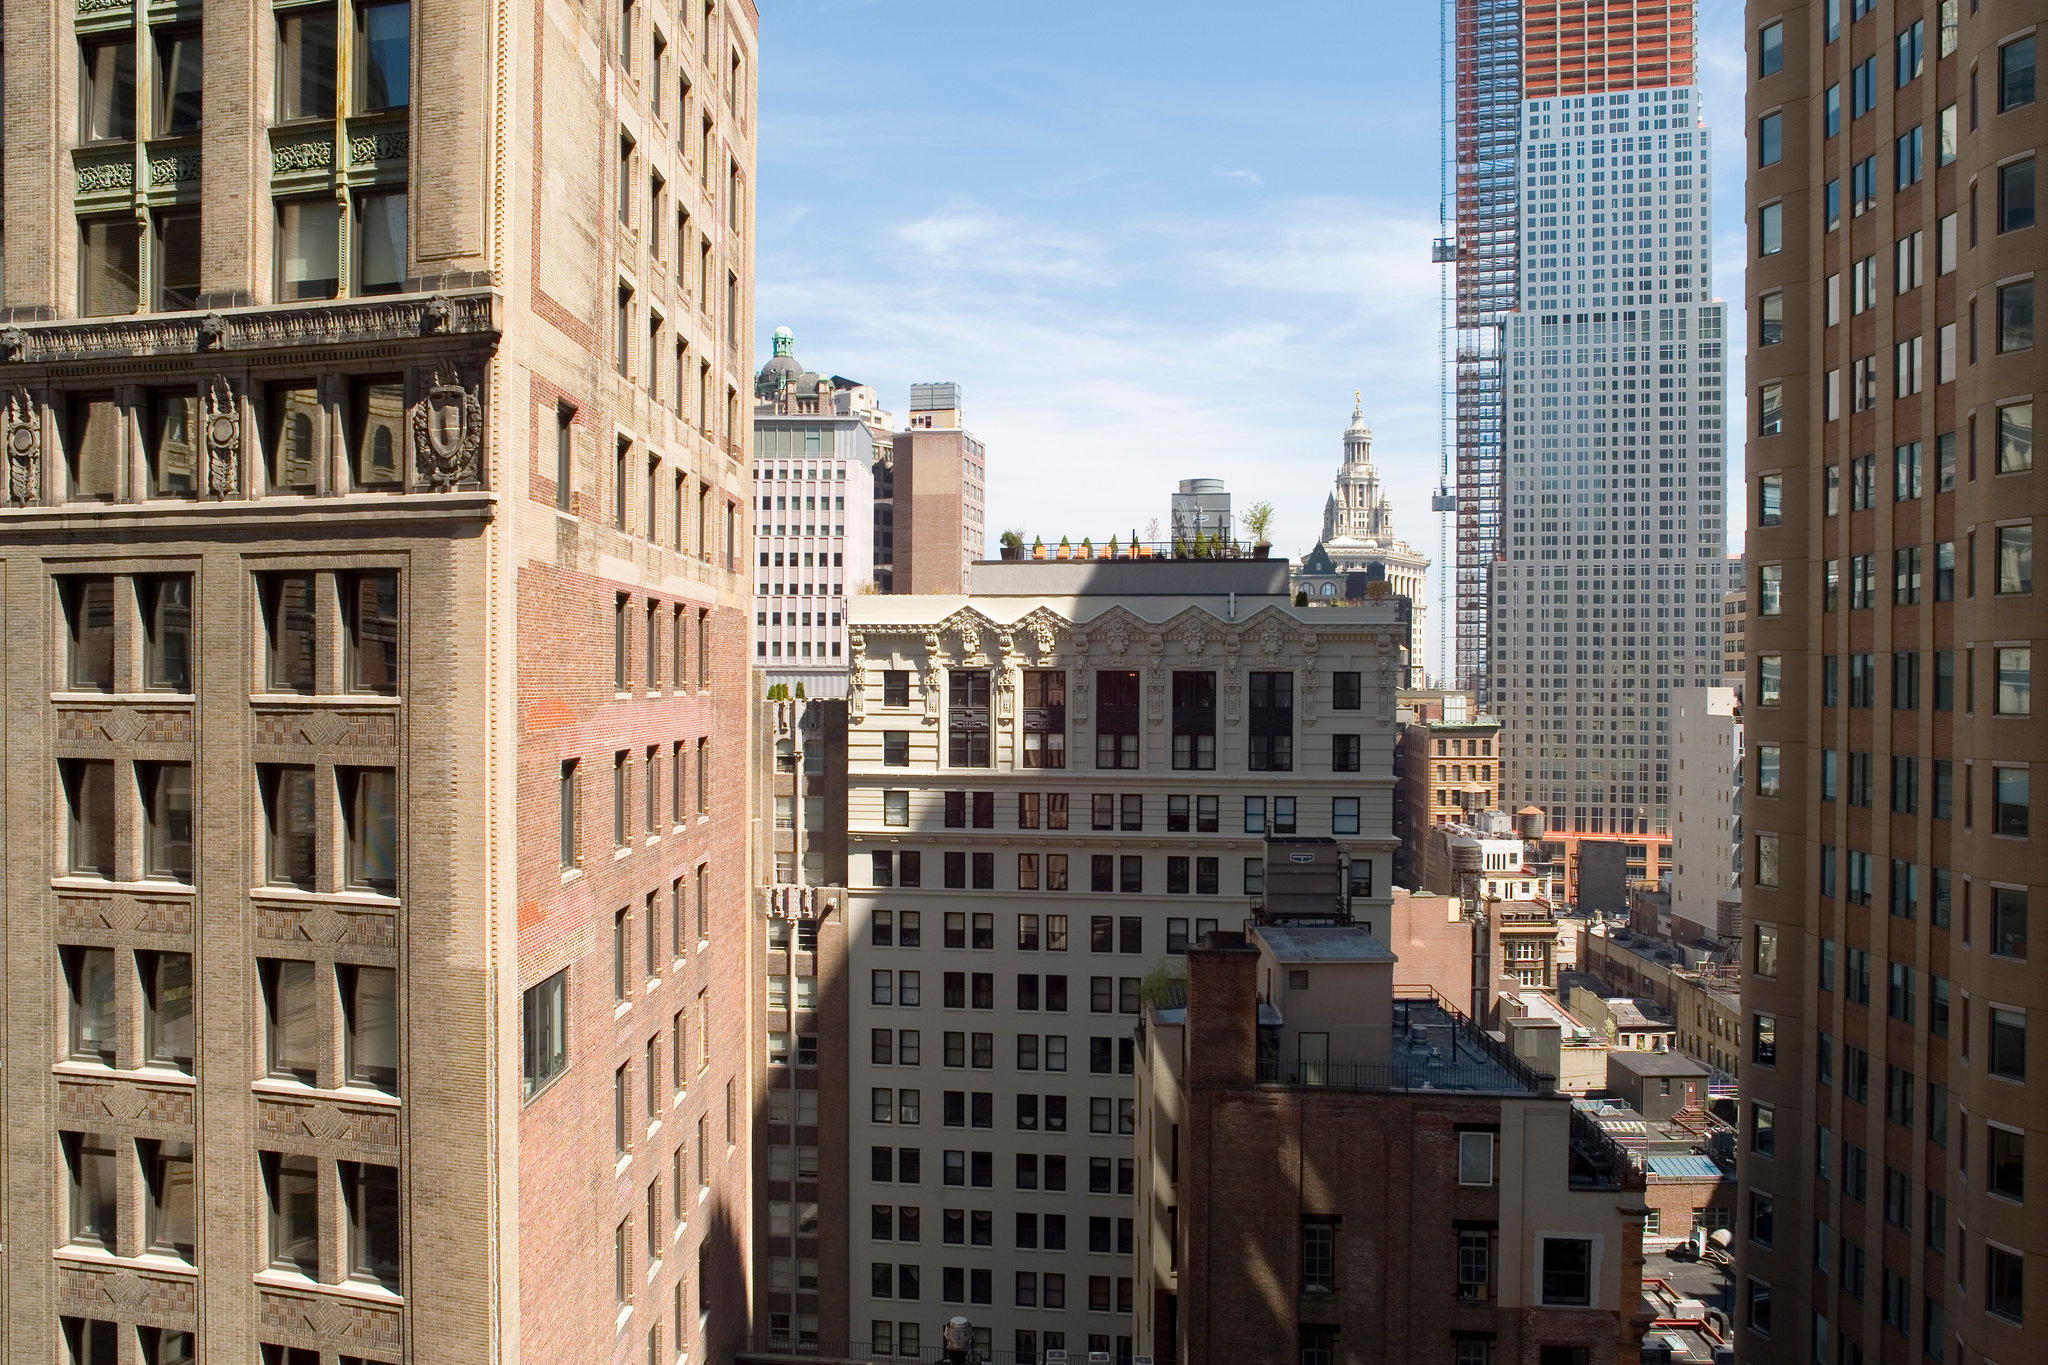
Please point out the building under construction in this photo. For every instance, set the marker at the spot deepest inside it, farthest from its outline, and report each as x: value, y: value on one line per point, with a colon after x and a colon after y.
x: 1502, y: 52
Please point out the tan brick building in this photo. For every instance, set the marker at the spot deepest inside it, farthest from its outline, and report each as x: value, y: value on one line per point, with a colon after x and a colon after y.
x: 374, y: 567
x: 1891, y: 1099
x: 935, y: 491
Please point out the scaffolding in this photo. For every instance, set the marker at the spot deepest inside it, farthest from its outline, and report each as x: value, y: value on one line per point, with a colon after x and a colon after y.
x: 1485, y: 91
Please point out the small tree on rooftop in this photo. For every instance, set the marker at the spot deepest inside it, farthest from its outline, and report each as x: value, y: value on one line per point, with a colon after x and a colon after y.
x: 1258, y: 522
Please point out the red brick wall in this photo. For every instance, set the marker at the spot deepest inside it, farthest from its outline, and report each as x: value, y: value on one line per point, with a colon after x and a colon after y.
x: 570, y: 1200
x: 1257, y: 1161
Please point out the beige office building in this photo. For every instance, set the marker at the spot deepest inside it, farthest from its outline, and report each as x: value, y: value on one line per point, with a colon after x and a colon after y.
x: 374, y: 573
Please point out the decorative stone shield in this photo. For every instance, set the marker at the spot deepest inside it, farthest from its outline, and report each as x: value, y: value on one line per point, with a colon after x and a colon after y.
x: 448, y: 431
x: 223, y: 438
x: 21, y: 434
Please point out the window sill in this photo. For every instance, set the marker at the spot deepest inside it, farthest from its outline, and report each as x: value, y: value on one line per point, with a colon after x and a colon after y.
x: 73, y: 881
x: 79, y: 1066
x: 345, y: 899
x: 373, y: 1294
x: 317, y: 699
x: 74, y: 697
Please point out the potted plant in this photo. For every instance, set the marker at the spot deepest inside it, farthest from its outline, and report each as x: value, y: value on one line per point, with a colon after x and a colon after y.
x: 1258, y: 522
x: 1087, y: 547
x: 1180, y: 548
x: 1012, y: 543
x: 1037, y: 548
x: 1112, y: 547
x: 1066, y: 550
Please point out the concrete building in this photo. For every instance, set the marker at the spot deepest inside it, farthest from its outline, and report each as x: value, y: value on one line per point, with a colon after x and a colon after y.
x: 1706, y: 812
x: 1056, y: 784
x: 1200, y: 509
x: 813, y: 544
x: 1612, y: 482
x: 1508, y: 52
x: 935, y: 496
x: 1893, y: 497
x: 1358, y: 544
x: 1331, y: 1168
x: 375, y: 565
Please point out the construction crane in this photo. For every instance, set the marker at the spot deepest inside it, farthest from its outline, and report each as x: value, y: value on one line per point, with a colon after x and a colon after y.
x: 1444, y: 253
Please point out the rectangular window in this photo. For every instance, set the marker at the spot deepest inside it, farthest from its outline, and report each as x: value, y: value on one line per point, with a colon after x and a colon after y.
x: 369, y: 807
x: 2016, y: 316
x: 308, y: 249
x: 89, y: 981
x: 2016, y: 74
x: 2015, y: 559
x: 1272, y: 722
x: 369, y: 1000
x: 306, y: 64
x: 2008, y: 1053
x: 1117, y: 737
x: 289, y: 817
x: 173, y: 445
x: 377, y: 228
x: 1770, y: 409
x: 1566, y: 1272
x: 2015, y: 438
x: 166, y: 790
x: 371, y: 1193
x: 95, y: 450
x: 169, y: 1226
x: 293, y: 1033
x: 545, y: 1032
x: 1318, y: 1255
x: 167, y: 1002
x: 292, y: 1184
x: 1770, y: 139
x: 2016, y: 196
x: 383, y: 56
x: 289, y: 632
x: 88, y: 604
x: 296, y: 421
x: 1045, y: 718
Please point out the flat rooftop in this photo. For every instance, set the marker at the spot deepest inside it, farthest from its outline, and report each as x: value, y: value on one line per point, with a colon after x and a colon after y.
x: 1322, y: 943
x: 1655, y: 1063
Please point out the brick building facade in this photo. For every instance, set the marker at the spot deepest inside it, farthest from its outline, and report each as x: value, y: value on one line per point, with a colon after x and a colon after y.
x: 376, y: 587
x: 1888, y: 870
x: 1397, y: 1191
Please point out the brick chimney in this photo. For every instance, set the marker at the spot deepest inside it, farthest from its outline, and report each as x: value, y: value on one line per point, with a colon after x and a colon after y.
x: 1223, y: 1011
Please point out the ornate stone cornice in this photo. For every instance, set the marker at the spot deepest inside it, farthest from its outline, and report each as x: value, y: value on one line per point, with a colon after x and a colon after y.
x: 257, y: 329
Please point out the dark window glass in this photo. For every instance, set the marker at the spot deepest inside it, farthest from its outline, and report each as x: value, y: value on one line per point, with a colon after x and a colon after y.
x: 106, y: 90
x: 173, y: 445
x: 95, y: 450
x: 295, y: 418
x: 166, y: 791
x: 370, y: 615
x: 288, y: 813
x: 89, y: 622
x: 179, y: 62
x: 306, y: 64
x: 89, y: 795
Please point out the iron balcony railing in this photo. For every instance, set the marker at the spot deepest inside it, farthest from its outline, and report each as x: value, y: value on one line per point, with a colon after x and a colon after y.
x: 1598, y: 1161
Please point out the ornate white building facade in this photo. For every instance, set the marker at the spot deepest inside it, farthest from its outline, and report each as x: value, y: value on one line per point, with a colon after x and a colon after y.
x: 1054, y: 786
x: 1358, y: 538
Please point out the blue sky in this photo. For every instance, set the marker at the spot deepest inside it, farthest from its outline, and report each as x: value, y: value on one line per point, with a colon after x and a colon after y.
x: 1151, y: 240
